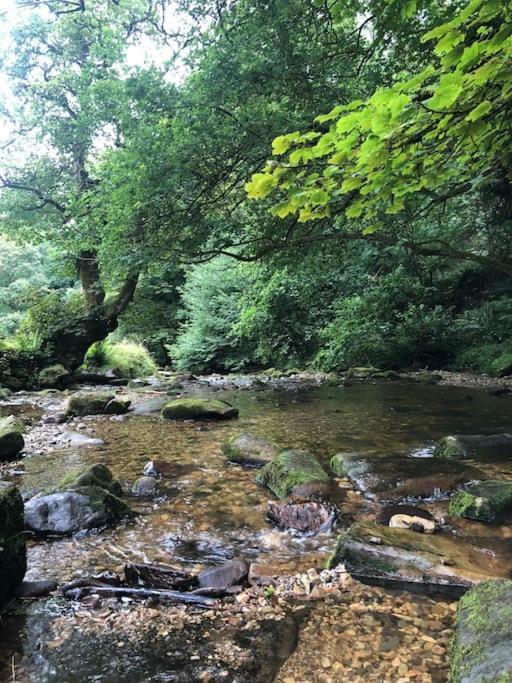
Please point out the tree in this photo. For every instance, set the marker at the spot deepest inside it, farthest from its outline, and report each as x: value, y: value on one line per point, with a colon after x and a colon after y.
x: 428, y: 137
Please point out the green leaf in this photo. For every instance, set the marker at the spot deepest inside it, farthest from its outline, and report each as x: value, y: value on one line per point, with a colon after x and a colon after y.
x: 481, y: 110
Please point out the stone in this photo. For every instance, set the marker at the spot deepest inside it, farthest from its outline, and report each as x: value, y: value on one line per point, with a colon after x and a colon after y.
x: 11, y: 438
x: 290, y: 469
x: 35, y: 589
x: 88, y: 403
x: 262, y: 574
x: 483, y: 633
x: 146, y: 487
x: 493, y: 446
x: 67, y: 512
x: 224, y: 576
x: 13, y: 558
x: 198, y: 409
x: 54, y: 418
x: 152, y: 405
x: 138, y: 383
x: 307, y: 517
x: 404, y: 559
x: 158, y: 468
x: 482, y: 501
x: 76, y: 439
x: 93, y: 475
x: 53, y: 376
x: 5, y: 393
x: 399, y: 477
x: 117, y: 406
x: 408, y: 517
x: 427, y: 377
x: 249, y: 449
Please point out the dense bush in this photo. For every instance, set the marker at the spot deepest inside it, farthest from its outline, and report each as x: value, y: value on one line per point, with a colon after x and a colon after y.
x: 126, y: 358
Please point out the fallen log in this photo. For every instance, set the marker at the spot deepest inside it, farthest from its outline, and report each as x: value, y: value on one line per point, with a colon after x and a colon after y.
x: 142, y: 594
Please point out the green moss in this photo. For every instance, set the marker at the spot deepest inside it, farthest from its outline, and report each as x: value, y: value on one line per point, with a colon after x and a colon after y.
x: 88, y: 403
x: 450, y: 447
x: 483, y: 501
x: 112, y: 508
x: 11, y: 438
x: 290, y: 469
x: 95, y: 475
x: 128, y: 359
x: 501, y: 366
x: 13, y: 561
x: 53, y: 376
x: 198, y: 409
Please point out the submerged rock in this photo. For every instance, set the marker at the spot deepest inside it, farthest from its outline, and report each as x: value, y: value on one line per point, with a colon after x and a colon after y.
x: 13, y: 559
x: 11, y: 438
x: 483, y: 633
x: 249, y: 449
x: 66, y: 512
x: 474, y: 445
x: 408, y: 517
x: 146, y: 487
x: 76, y: 439
x: 483, y: 501
x: 402, y: 558
x: 290, y: 469
x: 308, y: 517
x: 96, y: 403
x: 397, y: 477
x: 228, y: 574
x: 198, y: 409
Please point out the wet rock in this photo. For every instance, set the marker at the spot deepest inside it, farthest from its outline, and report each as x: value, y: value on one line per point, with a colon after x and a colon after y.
x: 290, y: 469
x: 494, y: 446
x: 249, y: 449
x: 308, y: 517
x: 483, y: 501
x: 5, y: 393
x: 158, y: 468
x: 117, y: 406
x: 53, y: 376
x: 146, y: 487
x: 261, y: 574
x: 404, y: 559
x: 88, y: 403
x: 198, y: 409
x: 54, y: 418
x: 397, y: 477
x: 228, y: 574
x: 153, y: 405
x: 159, y: 576
x: 94, y: 475
x: 13, y: 561
x: 66, y: 512
x: 481, y: 646
x: 138, y: 383
x: 11, y: 438
x: 76, y: 439
x: 35, y: 589
x: 408, y: 517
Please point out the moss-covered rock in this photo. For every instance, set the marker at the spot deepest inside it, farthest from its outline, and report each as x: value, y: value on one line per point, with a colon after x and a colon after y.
x: 363, y: 372
x: 427, y: 377
x: 289, y: 470
x: 67, y: 512
x: 5, y: 393
x: 94, y: 475
x: 11, y: 438
x: 481, y: 650
x: 96, y: 403
x: 13, y: 561
x: 492, y: 446
x: 405, y: 558
x: 249, y: 449
x: 53, y: 376
x: 198, y: 409
x: 398, y: 477
x: 117, y: 406
x: 502, y: 366
x: 483, y: 501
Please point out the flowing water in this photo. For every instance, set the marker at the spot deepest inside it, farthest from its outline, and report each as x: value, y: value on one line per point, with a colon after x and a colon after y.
x: 211, y: 510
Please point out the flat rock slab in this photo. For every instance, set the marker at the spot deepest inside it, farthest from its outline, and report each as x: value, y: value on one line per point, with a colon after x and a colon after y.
x: 249, y: 449
x: 77, y: 439
x: 198, y: 409
x: 228, y: 574
x: 406, y: 559
x: 289, y: 470
x: 483, y: 501
x: 398, y: 477
x: 480, y: 447
x: 481, y: 649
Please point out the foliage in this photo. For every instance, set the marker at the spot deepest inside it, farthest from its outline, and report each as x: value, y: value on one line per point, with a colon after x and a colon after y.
x: 126, y: 358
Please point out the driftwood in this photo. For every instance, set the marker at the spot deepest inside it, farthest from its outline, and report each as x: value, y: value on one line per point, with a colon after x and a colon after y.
x: 141, y: 593
x: 158, y: 576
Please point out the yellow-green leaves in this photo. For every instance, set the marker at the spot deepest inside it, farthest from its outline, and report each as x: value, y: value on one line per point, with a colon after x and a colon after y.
x: 480, y: 110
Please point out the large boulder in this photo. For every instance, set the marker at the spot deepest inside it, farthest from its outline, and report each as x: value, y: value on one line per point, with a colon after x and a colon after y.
x: 289, y: 470
x: 483, y: 633
x: 53, y: 376
x: 13, y: 560
x: 398, y: 477
x: 96, y: 403
x: 488, y: 447
x: 198, y: 409
x: 483, y: 501
x: 94, y: 475
x: 11, y: 438
x: 405, y: 559
x: 66, y: 512
x: 249, y: 449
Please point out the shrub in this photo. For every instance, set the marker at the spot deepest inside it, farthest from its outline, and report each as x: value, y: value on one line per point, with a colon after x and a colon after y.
x: 127, y: 358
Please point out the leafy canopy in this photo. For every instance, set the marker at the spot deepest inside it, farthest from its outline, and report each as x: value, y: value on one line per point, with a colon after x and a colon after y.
x: 439, y: 132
